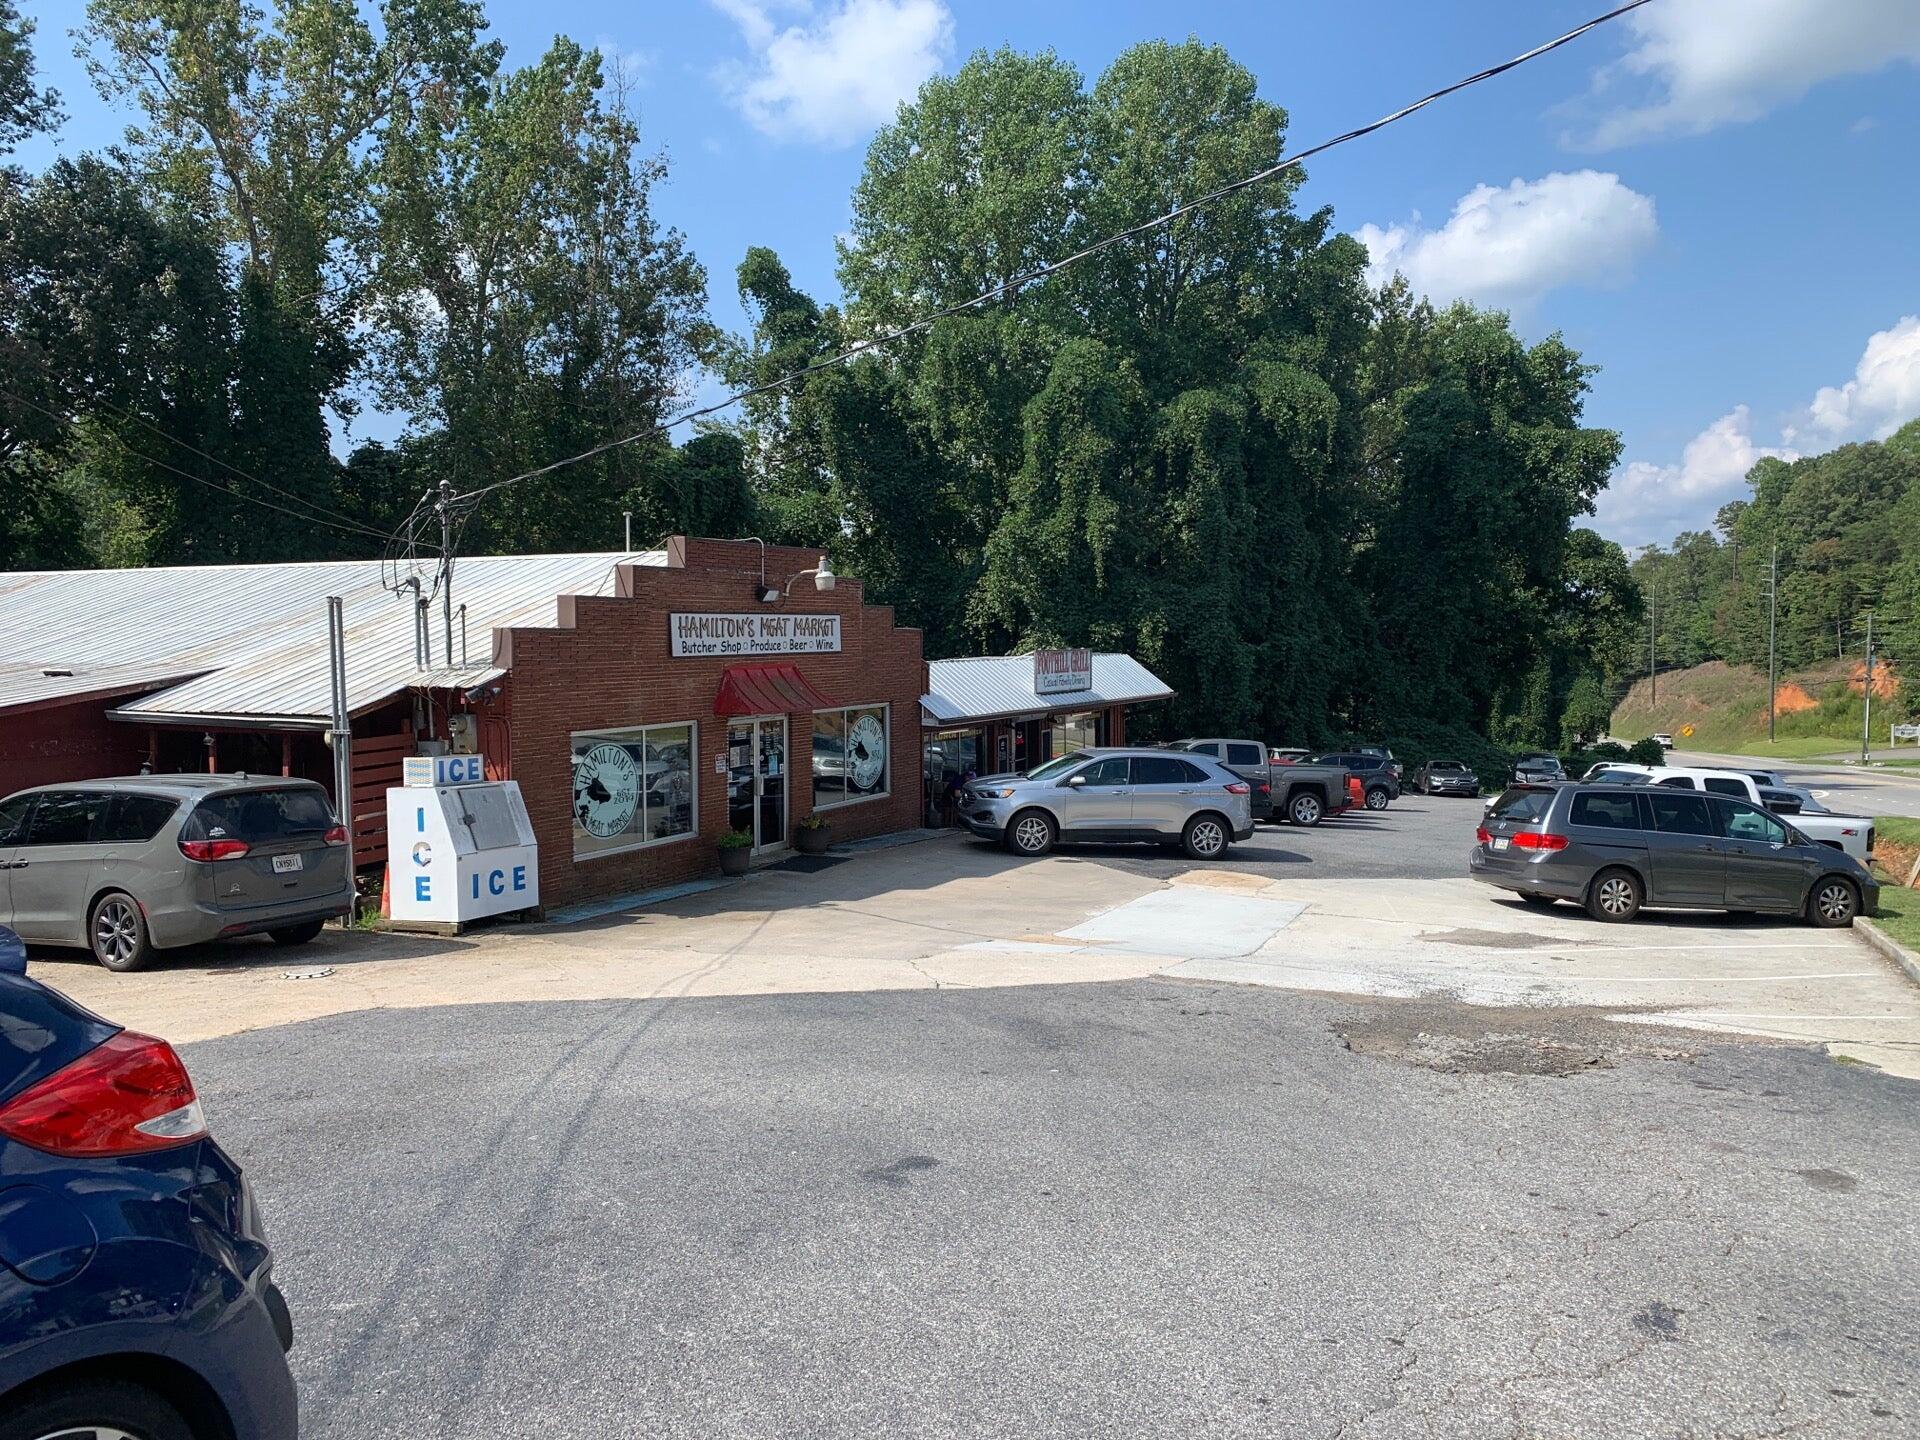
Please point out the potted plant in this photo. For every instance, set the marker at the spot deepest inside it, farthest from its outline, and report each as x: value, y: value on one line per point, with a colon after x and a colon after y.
x: 736, y: 852
x: 812, y: 836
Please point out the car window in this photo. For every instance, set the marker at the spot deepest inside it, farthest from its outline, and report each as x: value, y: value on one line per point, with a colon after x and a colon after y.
x: 1606, y: 812
x: 257, y: 815
x: 1676, y: 782
x: 67, y: 817
x: 1054, y: 769
x: 1206, y: 747
x: 1244, y: 755
x: 13, y: 817
x: 1744, y: 822
x: 1683, y: 815
x: 1446, y: 765
x: 1726, y: 787
x: 1165, y: 770
x: 1522, y: 806
x: 138, y: 817
x: 1111, y: 771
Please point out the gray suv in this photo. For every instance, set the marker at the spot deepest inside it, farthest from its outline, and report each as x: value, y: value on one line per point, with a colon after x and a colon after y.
x: 1149, y: 795
x: 129, y: 866
x: 1614, y: 848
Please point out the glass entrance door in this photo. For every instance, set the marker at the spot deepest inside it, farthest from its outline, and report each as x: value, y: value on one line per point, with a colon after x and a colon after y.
x: 757, y: 780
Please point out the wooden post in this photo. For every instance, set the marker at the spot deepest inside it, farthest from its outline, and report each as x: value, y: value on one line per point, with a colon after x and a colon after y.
x: 286, y: 756
x: 213, y: 754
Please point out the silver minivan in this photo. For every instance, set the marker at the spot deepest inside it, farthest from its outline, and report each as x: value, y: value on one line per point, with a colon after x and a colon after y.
x: 1159, y: 796
x: 125, y: 867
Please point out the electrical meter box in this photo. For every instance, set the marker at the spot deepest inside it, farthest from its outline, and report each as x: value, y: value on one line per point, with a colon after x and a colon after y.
x: 460, y: 851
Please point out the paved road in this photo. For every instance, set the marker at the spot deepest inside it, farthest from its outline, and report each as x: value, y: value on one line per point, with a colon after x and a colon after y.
x: 1144, y: 1208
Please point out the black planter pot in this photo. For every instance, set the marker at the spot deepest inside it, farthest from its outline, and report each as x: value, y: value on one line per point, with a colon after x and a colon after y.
x: 813, y: 839
x: 734, y: 859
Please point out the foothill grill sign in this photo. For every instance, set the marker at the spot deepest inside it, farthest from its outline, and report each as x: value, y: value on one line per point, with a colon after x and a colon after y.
x: 746, y: 633
x: 1061, y: 672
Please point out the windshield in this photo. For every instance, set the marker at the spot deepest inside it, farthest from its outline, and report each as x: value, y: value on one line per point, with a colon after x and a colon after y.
x: 1060, y: 766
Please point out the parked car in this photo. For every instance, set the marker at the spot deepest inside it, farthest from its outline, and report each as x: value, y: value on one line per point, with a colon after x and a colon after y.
x: 1615, y: 848
x: 1156, y: 796
x: 1247, y: 759
x: 1664, y: 740
x: 137, y: 1299
x: 1538, y: 770
x: 1379, y: 775
x: 131, y: 866
x: 1851, y: 833
x: 1307, y: 790
x: 1446, y: 777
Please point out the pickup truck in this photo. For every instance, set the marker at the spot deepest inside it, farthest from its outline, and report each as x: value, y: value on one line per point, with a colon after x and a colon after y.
x: 1300, y: 794
x: 1852, y: 834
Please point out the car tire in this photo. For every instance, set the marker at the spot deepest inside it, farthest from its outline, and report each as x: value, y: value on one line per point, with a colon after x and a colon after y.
x: 1207, y: 837
x: 298, y: 934
x: 117, y: 933
x: 1031, y: 833
x: 1614, y: 896
x: 1305, y: 809
x: 94, y: 1407
x: 1377, y: 798
x: 1833, y: 902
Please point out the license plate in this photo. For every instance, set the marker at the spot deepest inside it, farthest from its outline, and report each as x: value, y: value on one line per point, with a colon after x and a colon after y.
x: 286, y: 864
x: 1500, y: 842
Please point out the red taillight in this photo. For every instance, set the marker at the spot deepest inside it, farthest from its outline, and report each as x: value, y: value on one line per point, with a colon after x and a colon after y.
x: 214, y: 849
x: 1534, y: 840
x: 128, y: 1095
x: 336, y: 836
x: 1265, y: 788
x: 1483, y: 835
x: 1239, y: 787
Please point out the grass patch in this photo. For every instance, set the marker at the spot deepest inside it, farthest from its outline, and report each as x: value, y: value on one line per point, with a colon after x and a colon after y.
x: 1900, y: 829
x: 1900, y: 914
x: 1795, y: 747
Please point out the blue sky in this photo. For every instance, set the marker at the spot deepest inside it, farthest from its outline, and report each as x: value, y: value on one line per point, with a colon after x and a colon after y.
x: 1713, y: 200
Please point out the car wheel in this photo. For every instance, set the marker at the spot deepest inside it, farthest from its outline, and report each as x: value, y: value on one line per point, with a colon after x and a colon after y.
x: 1304, y: 809
x: 1834, y: 903
x: 297, y: 934
x: 1377, y: 798
x: 1206, y: 837
x: 117, y: 933
x: 1031, y: 833
x: 1614, y: 896
x: 94, y: 1410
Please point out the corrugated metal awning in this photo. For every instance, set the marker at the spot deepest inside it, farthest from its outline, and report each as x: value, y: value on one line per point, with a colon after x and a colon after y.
x: 766, y: 690
x: 1000, y: 687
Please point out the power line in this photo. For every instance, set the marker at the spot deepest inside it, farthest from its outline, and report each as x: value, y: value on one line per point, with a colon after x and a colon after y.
x: 351, y: 528
x: 1054, y: 267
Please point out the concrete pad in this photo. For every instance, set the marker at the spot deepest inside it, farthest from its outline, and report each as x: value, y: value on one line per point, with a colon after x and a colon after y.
x: 1189, y: 921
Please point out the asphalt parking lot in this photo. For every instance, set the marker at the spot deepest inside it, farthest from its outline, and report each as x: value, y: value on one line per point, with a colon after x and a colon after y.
x: 1325, y: 1140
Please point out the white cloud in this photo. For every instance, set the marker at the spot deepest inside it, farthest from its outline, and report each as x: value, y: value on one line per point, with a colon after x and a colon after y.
x: 1882, y: 396
x: 1510, y: 246
x: 840, y: 70
x: 1698, y: 64
x: 1648, y: 504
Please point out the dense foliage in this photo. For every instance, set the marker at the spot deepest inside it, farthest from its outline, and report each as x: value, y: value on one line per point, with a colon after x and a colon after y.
x: 1312, y: 506
x: 1847, y: 528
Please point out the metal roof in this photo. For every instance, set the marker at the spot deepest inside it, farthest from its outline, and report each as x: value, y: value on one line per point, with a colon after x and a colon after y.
x: 250, y: 641
x: 1001, y: 686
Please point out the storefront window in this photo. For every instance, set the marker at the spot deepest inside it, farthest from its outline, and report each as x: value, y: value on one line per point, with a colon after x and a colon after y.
x: 951, y: 757
x: 850, y: 755
x: 632, y: 788
x: 1078, y: 732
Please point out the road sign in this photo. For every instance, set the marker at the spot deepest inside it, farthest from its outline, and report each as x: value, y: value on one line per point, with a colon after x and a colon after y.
x: 1686, y: 732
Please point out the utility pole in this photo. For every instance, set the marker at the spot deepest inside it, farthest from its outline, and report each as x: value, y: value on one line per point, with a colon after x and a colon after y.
x: 1653, y: 665
x: 446, y: 563
x: 341, y: 733
x: 1773, y: 612
x: 1866, y: 694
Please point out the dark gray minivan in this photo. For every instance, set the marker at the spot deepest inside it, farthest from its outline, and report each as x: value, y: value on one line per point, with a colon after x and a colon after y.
x: 1615, y: 848
x: 132, y: 865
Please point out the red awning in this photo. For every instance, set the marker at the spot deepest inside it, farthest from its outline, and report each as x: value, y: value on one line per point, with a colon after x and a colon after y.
x: 766, y: 690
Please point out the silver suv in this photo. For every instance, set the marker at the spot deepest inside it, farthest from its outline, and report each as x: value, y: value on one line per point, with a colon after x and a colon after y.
x: 1148, y: 795
x: 129, y: 866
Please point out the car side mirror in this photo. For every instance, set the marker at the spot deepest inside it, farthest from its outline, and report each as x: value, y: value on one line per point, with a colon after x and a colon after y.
x: 1075, y: 782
